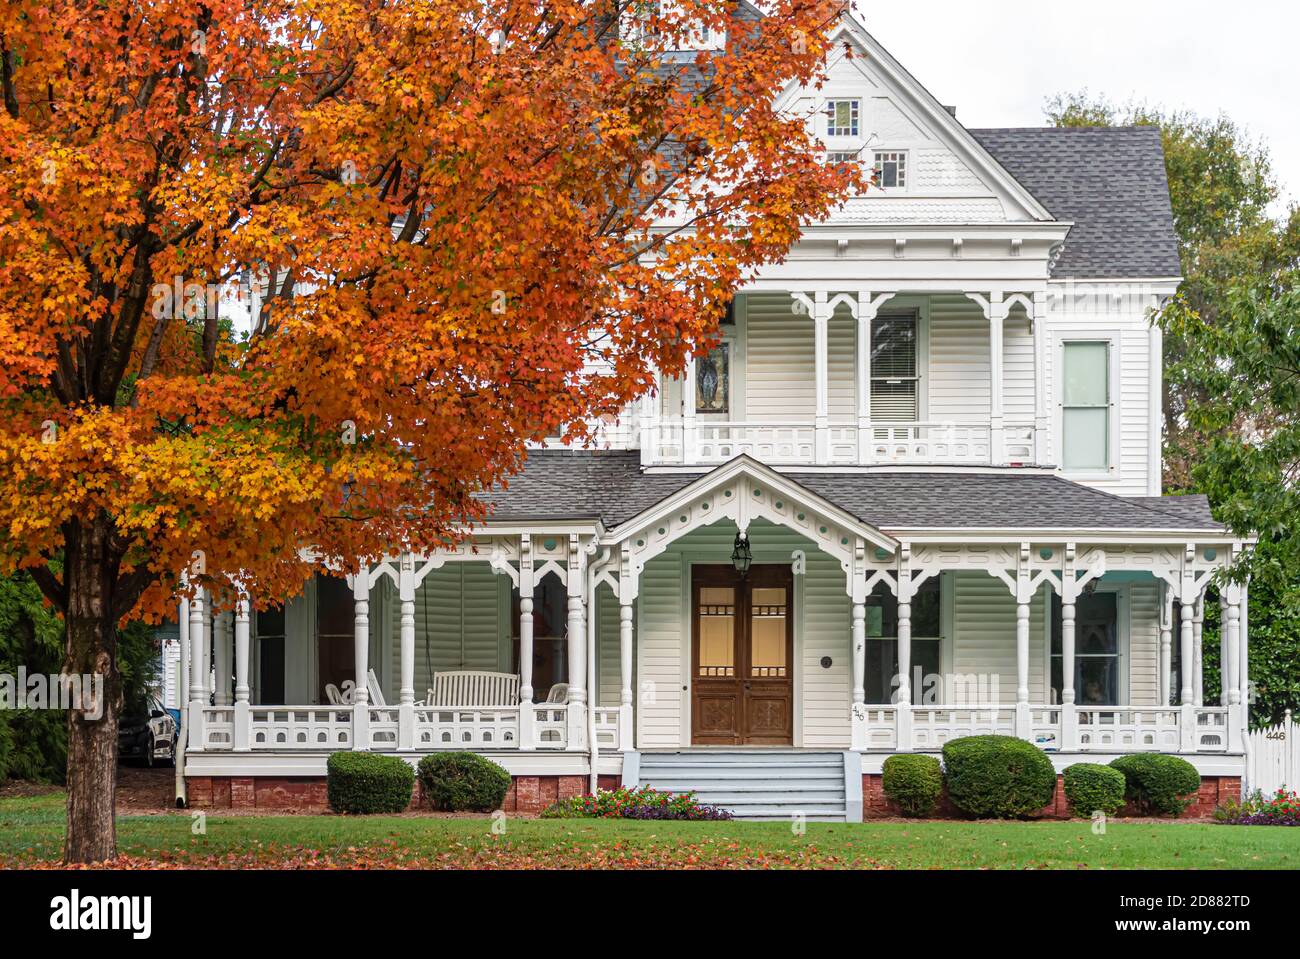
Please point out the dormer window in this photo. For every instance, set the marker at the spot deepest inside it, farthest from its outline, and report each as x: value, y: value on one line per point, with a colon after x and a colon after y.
x: 842, y: 118
x: 891, y: 171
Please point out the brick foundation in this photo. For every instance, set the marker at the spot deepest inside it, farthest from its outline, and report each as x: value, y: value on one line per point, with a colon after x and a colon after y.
x: 528, y: 795
x: 1214, y: 790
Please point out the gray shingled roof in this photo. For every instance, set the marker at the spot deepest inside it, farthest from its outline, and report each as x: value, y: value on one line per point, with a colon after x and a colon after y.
x: 611, y: 486
x: 1111, y: 182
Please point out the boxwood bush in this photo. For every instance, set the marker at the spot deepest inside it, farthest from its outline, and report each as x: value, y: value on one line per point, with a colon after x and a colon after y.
x: 1158, y: 785
x: 998, y: 777
x: 463, y: 782
x: 913, y: 783
x: 364, y: 783
x: 1090, y: 788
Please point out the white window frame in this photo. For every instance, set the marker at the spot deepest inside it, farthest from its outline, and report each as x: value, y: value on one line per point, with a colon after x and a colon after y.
x: 1112, y: 340
x: 920, y: 309
x: 877, y: 152
x: 832, y: 132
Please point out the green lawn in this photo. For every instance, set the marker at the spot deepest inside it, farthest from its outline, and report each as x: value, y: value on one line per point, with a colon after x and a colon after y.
x: 31, y: 832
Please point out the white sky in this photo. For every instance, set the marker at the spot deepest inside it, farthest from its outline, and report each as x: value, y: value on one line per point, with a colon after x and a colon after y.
x: 998, y: 62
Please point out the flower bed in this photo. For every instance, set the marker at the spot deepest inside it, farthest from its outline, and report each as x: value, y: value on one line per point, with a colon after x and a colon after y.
x: 1282, y: 810
x: 643, y: 803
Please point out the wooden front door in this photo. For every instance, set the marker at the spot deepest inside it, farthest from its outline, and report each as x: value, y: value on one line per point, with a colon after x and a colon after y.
x: 742, y: 655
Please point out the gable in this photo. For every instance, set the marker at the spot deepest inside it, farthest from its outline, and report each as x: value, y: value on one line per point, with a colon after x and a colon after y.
x: 950, y: 176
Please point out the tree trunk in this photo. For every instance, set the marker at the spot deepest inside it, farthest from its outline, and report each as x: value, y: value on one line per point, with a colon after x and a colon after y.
x: 90, y: 572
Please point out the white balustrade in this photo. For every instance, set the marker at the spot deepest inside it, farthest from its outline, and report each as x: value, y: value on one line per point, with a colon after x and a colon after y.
x: 302, y: 727
x: 383, y: 727
x: 1045, y: 727
x: 218, y: 727
x: 1212, y: 729
x: 932, y: 726
x: 1109, y: 729
x: 795, y: 443
x: 495, y: 727
x: 606, y: 719
x: 551, y: 726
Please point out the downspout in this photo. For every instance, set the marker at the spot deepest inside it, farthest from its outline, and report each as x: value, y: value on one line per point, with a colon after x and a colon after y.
x: 593, y: 573
x: 182, y: 737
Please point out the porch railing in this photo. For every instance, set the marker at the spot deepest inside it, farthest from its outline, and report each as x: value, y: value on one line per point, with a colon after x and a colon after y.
x: 1206, y: 729
x: 432, y: 728
x: 709, y: 442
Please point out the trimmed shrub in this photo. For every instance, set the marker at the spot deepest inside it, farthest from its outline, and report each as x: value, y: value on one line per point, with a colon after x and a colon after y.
x: 913, y: 783
x: 364, y: 783
x: 1158, y: 785
x: 998, y: 777
x: 463, y: 782
x: 1090, y: 788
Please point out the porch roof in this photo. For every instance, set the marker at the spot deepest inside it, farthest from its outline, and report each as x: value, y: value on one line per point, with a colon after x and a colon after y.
x: 612, y: 487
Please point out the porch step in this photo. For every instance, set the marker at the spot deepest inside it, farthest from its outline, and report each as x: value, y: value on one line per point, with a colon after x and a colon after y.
x: 757, y: 785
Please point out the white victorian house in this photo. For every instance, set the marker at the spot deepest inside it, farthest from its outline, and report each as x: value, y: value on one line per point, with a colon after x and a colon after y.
x: 913, y: 496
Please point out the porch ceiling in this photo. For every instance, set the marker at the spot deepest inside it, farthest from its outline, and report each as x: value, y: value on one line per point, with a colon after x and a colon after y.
x: 612, y: 488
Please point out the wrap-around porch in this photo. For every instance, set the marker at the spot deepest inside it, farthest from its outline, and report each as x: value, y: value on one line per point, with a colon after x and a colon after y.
x: 618, y: 641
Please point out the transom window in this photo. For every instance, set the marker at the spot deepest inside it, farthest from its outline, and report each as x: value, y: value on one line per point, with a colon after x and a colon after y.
x: 842, y: 118
x: 891, y: 171
x: 1085, y: 407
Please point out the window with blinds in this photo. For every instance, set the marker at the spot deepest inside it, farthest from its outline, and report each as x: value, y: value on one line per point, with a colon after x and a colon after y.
x: 895, y: 379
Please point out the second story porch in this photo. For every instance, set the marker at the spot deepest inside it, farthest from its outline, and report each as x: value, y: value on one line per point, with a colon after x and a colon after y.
x: 863, y: 379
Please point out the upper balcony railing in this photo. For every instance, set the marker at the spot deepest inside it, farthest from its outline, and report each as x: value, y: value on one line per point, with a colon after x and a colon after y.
x: 709, y: 443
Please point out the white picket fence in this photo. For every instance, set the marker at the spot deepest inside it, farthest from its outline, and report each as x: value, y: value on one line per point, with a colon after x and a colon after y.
x: 1274, y: 761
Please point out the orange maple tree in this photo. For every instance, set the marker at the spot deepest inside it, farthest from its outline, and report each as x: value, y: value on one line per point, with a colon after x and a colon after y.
x: 443, y: 228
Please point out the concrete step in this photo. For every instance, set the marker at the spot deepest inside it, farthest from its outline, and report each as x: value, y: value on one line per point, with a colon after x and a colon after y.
x: 789, y: 799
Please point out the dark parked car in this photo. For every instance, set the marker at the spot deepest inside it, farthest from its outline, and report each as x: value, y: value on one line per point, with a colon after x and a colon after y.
x: 147, y: 733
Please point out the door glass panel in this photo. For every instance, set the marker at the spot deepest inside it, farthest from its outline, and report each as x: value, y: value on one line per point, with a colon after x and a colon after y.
x: 717, y: 633
x: 767, y: 656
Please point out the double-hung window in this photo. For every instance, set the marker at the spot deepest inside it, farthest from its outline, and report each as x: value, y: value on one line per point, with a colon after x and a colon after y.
x: 895, y: 377
x: 1086, y: 407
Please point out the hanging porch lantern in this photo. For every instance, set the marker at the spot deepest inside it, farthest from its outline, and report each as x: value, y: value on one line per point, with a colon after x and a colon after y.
x: 741, y: 557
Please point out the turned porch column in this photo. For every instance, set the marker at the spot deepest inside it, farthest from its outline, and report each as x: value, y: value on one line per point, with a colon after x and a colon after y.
x: 527, y: 587
x: 821, y: 351
x: 1187, y: 693
x: 997, y: 422
x: 1038, y: 319
x: 904, y: 705
x: 1231, y: 662
x: 198, y: 688
x: 1024, y: 593
x: 406, y: 586
x: 243, y: 738
x: 625, y: 620
x: 1198, y: 647
x: 183, y: 636
x: 576, y: 635
x: 361, y: 658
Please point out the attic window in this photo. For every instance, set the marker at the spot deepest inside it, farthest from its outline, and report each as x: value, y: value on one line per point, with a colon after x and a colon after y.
x: 841, y: 158
x: 891, y: 171
x: 842, y: 118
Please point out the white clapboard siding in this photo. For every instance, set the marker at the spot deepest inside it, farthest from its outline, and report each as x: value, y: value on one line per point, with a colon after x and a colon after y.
x: 984, y: 636
x: 842, y: 366
x: 1018, y: 368
x: 610, y: 681
x: 827, y: 631
x: 780, y: 381
x: 457, y: 626
x: 1123, y: 319
x: 958, y: 377
x: 659, y: 654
